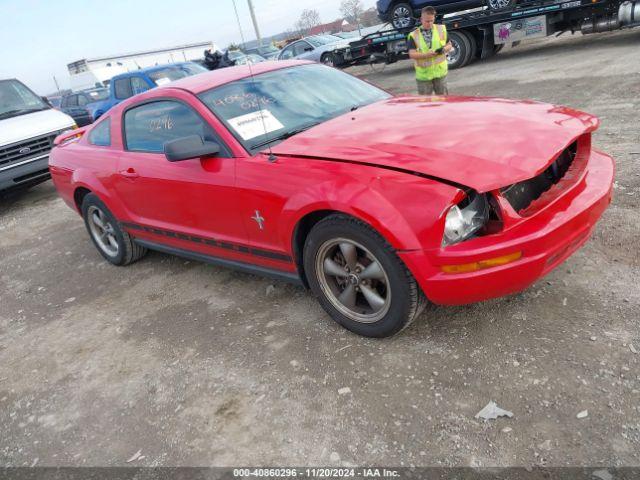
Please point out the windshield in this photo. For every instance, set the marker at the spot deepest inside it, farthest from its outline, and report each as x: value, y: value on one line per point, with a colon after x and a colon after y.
x: 97, y: 95
x: 235, y: 54
x: 254, y: 58
x: 319, y: 40
x: 175, y: 72
x: 267, y: 50
x: 267, y: 107
x: 240, y: 59
x: 16, y: 99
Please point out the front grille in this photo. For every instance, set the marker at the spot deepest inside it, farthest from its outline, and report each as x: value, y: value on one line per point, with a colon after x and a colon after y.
x: 21, y: 151
x: 522, y: 194
x: 32, y: 175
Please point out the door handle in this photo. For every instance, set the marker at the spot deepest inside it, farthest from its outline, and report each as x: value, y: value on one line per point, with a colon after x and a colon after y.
x: 129, y: 173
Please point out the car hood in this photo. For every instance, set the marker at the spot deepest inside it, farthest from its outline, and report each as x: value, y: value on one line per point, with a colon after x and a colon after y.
x: 24, y: 127
x: 482, y: 143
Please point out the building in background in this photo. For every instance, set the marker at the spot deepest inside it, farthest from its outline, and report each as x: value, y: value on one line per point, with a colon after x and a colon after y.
x: 89, y: 73
x: 339, y: 25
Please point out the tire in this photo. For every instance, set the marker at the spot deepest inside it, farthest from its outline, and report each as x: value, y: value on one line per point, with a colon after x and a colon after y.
x: 473, y: 46
x: 402, y: 16
x: 328, y: 59
x: 501, y: 5
x: 338, y: 253
x: 461, y: 53
x: 114, y: 244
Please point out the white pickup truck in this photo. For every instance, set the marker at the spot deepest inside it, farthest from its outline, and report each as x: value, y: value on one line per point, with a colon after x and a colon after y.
x: 28, y: 126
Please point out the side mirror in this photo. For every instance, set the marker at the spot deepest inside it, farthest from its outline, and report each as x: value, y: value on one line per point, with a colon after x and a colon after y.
x: 308, y: 49
x: 46, y: 100
x: 189, y: 147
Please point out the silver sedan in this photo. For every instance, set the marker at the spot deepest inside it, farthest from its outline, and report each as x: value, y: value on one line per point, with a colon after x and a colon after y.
x: 317, y: 48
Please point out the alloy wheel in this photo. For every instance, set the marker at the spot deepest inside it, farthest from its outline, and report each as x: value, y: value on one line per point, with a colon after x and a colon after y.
x: 402, y: 17
x: 353, y: 280
x: 499, y: 4
x: 327, y: 60
x: 454, y: 55
x: 102, y: 231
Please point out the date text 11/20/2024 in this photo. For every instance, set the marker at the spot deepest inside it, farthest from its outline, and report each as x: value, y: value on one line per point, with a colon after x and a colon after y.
x: 315, y: 472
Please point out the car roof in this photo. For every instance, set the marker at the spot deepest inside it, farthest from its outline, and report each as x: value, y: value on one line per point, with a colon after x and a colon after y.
x: 205, y: 81
x: 84, y: 90
x: 151, y: 69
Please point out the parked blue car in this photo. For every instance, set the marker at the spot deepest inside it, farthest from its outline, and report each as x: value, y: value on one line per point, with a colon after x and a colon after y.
x: 129, y: 84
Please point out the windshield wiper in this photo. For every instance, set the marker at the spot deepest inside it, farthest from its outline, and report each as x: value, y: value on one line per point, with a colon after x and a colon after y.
x: 285, y: 135
x: 9, y: 113
x: 20, y: 111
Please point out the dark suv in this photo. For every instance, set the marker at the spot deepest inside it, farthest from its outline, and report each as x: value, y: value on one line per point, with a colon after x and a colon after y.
x: 79, y: 105
x: 402, y: 13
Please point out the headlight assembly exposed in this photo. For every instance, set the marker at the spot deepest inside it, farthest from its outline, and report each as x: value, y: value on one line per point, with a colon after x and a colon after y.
x: 466, y: 218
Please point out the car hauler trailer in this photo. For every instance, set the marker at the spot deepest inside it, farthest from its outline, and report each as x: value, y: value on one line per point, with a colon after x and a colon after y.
x: 483, y: 32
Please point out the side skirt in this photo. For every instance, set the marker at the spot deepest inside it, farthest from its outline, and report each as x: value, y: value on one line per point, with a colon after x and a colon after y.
x: 243, y: 267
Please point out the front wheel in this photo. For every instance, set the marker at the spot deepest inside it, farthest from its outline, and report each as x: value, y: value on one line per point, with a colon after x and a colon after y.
x: 358, y: 279
x: 328, y: 59
x: 402, y: 16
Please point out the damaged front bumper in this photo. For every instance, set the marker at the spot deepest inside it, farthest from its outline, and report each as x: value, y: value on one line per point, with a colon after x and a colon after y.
x: 561, y: 223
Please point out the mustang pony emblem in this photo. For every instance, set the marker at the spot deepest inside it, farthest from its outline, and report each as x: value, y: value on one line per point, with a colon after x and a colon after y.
x: 259, y: 220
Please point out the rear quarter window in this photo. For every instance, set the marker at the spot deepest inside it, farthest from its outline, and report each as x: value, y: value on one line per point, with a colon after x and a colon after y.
x: 100, y: 135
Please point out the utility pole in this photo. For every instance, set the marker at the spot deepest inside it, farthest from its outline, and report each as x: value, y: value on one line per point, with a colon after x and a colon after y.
x: 56, y: 82
x: 255, y: 22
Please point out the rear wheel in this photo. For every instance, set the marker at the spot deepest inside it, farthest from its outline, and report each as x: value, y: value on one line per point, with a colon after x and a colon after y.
x: 402, y: 16
x: 473, y: 45
x: 113, y: 243
x: 501, y: 5
x: 461, y: 53
x: 358, y: 279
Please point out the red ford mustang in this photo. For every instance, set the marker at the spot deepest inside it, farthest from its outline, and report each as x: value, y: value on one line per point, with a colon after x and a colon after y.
x: 377, y: 203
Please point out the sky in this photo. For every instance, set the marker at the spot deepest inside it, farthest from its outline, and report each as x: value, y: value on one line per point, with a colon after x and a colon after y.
x: 38, y: 38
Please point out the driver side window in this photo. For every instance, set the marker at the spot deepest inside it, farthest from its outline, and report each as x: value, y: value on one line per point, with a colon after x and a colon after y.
x: 302, y: 48
x: 287, y: 53
x: 138, y: 85
x: 149, y: 126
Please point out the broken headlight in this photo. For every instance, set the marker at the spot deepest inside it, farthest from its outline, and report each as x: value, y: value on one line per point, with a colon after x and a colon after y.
x: 466, y: 218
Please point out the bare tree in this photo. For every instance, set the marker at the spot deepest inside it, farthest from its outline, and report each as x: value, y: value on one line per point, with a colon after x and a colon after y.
x: 308, y: 20
x: 369, y: 18
x: 352, y: 10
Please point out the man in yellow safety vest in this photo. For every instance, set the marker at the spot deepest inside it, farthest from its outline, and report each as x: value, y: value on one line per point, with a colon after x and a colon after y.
x: 428, y: 46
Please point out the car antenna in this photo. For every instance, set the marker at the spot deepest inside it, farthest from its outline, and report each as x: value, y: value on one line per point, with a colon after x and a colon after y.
x: 272, y: 158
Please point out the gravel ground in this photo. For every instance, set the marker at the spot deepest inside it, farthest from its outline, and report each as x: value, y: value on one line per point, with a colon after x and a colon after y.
x: 195, y: 365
